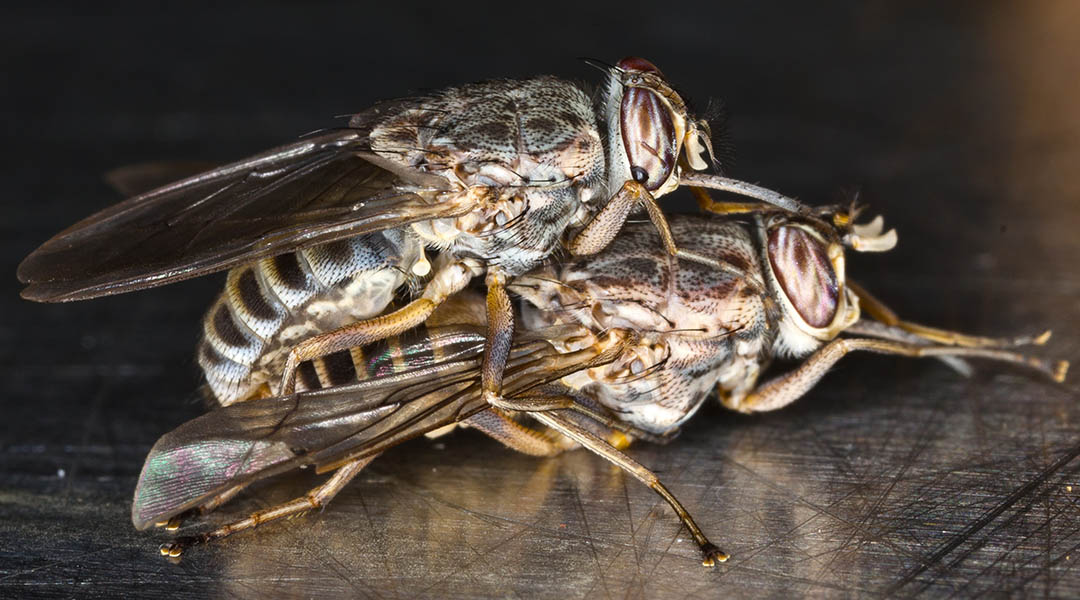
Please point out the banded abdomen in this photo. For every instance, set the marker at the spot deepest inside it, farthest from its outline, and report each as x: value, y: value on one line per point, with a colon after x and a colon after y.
x: 415, y: 349
x: 269, y: 306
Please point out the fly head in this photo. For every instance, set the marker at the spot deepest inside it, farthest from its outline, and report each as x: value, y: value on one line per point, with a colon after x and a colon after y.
x: 649, y: 128
x: 805, y: 268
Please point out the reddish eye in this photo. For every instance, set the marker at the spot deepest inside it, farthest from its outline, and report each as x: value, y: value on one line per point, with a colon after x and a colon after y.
x: 805, y: 273
x: 633, y: 63
x: 648, y: 136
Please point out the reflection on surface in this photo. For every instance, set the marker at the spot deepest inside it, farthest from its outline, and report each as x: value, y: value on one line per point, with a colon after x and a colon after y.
x: 845, y: 493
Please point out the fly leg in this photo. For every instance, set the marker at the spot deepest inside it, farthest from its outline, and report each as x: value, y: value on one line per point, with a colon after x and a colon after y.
x: 498, y: 425
x: 599, y: 232
x: 742, y: 188
x: 495, y: 423
x: 706, y: 203
x: 209, y: 506
x: 554, y: 397
x: 447, y: 281
x: 787, y: 388
x: 316, y: 498
x: 876, y: 309
x: 877, y: 329
x: 711, y: 554
x: 500, y: 318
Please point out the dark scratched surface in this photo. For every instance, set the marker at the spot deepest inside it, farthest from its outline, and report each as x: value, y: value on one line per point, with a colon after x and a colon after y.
x: 892, y: 476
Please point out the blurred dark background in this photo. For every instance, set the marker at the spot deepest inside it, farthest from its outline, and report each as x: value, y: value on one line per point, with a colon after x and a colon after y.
x: 958, y: 123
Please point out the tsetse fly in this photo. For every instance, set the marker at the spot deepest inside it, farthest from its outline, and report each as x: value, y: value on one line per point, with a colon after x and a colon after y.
x: 493, y: 175
x: 622, y: 345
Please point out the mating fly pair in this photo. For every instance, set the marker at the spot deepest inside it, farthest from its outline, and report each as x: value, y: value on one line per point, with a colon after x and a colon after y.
x: 622, y: 345
x: 320, y: 237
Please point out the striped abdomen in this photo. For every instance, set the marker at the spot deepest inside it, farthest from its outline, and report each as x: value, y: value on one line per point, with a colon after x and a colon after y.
x: 269, y: 306
x: 416, y: 349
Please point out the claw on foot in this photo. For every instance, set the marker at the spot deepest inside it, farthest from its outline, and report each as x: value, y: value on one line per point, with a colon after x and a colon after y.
x: 713, y: 555
x: 1042, y: 338
x: 1060, y: 371
x: 176, y: 547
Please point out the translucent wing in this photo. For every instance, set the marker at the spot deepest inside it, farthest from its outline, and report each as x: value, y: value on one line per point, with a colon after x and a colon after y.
x: 253, y: 440
x: 320, y: 189
x: 261, y: 438
x: 133, y: 180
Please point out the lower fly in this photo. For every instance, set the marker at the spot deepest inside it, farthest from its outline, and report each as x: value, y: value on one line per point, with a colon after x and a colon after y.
x: 620, y: 346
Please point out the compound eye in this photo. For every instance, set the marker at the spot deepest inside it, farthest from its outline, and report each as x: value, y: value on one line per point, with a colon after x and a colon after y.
x: 634, y: 63
x: 802, y: 267
x: 648, y: 135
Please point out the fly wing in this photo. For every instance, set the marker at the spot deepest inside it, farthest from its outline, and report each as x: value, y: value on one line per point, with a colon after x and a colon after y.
x: 253, y: 440
x: 133, y: 180
x: 256, y: 439
x: 320, y: 189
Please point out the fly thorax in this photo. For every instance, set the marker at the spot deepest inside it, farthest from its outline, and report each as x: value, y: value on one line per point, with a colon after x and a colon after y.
x: 634, y: 366
x: 547, y: 302
x: 516, y: 230
x: 535, y: 142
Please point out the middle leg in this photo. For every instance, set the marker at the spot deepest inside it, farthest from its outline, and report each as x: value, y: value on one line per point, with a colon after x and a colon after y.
x: 447, y: 281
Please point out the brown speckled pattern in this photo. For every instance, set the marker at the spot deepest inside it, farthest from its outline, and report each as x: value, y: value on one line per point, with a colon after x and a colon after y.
x: 535, y: 139
x: 702, y: 326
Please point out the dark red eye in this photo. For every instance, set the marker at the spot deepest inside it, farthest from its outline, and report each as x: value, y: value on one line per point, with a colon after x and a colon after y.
x: 648, y: 136
x: 802, y: 268
x: 633, y: 63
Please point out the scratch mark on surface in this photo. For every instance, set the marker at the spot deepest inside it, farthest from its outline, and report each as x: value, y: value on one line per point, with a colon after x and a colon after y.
x: 862, y: 528
x: 592, y: 546
x: 984, y: 520
x: 1018, y: 543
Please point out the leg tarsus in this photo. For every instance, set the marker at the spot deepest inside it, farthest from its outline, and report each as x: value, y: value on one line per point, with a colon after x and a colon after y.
x: 712, y: 555
x: 174, y: 548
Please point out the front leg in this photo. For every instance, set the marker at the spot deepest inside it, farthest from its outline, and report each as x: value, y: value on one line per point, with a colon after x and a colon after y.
x: 879, y: 311
x: 599, y: 232
x: 785, y: 389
